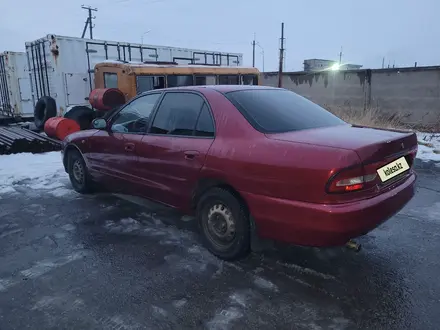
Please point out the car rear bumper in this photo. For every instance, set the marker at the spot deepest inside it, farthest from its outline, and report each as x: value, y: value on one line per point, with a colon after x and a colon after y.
x: 325, y: 225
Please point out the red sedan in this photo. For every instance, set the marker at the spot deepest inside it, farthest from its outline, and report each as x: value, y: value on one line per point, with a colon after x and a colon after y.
x: 245, y: 158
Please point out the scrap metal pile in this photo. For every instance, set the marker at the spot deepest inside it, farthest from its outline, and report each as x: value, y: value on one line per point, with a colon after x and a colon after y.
x: 16, y: 139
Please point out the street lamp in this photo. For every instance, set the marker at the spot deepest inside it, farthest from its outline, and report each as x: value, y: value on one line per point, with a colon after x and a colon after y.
x: 142, y: 37
x: 335, y: 67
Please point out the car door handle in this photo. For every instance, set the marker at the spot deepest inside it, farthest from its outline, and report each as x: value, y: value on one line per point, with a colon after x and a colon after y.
x: 191, y: 154
x: 129, y: 147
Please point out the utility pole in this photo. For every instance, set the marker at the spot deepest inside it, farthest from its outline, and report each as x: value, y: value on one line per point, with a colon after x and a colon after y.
x: 253, y: 52
x: 89, y: 21
x: 340, y: 56
x: 280, y: 68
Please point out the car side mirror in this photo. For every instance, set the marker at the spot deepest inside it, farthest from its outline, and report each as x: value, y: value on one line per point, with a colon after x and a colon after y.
x: 99, y: 123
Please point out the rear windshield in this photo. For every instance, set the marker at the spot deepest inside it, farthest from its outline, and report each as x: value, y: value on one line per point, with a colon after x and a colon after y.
x: 280, y: 110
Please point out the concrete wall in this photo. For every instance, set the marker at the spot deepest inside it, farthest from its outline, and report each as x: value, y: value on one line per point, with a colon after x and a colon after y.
x: 330, y: 88
x: 411, y: 93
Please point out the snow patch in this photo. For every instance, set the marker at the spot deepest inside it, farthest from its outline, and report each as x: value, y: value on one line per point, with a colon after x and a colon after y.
x: 158, y: 311
x: 181, y: 263
x: 10, y: 232
x: 34, y: 171
x: 6, y: 190
x: 68, y: 227
x: 63, y: 192
x: 180, y: 303
x: 429, y: 146
x: 65, y: 302
x: 130, y: 225
x: 239, y: 299
x: 307, y: 271
x: 265, y: 284
x: 41, y: 268
x: 223, y: 320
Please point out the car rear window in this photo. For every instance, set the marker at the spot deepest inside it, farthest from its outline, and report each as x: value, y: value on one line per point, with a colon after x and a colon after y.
x: 280, y: 110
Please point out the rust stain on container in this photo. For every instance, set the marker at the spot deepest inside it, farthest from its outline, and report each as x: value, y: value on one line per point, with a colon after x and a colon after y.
x: 54, y: 49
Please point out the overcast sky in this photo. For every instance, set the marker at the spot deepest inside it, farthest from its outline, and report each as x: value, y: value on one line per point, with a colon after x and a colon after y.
x: 402, y: 31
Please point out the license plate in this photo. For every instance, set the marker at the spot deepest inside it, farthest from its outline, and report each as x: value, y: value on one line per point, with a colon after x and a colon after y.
x: 393, y: 169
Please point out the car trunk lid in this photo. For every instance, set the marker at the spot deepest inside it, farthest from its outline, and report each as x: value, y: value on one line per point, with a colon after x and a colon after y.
x: 379, y: 150
x: 371, y: 144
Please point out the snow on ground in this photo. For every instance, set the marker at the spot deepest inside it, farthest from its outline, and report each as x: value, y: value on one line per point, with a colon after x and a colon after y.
x: 33, y: 171
x: 429, y: 146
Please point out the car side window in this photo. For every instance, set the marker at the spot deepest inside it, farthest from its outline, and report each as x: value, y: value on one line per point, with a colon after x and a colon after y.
x: 177, y: 114
x: 135, y: 116
x: 205, y: 124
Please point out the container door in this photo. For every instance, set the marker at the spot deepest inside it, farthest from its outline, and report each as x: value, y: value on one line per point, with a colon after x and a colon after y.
x: 5, y: 102
x: 24, y: 86
x: 77, y: 88
x: 40, y: 65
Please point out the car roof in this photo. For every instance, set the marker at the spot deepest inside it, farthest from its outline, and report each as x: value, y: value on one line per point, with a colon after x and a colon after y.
x: 219, y: 88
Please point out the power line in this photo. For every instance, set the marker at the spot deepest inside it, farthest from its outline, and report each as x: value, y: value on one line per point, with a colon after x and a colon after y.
x: 89, y: 22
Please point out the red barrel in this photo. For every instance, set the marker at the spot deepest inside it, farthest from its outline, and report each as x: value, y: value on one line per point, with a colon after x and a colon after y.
x: 105, y: 99
x: 60, y: 127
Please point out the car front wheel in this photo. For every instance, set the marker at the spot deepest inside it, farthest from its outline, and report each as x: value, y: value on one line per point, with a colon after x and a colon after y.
x: 78, y: 173
x: 224, y: 224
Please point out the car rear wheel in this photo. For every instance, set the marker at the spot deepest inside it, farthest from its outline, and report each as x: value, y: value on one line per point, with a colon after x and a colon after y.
x: 224, y: 224
x: 78, y: 173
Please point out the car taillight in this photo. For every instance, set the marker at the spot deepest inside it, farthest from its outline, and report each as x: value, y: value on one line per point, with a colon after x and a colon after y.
x: 413, y: 154
x: 352, y: 179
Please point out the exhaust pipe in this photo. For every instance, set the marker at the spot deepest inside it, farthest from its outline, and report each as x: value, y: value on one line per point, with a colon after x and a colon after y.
x: 352, y: 245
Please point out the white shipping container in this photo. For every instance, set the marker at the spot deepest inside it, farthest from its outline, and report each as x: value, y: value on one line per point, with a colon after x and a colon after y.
x: 63, y: 67
x: 15, y: 88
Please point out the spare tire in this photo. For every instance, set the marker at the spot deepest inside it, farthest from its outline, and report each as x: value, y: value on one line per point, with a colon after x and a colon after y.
x: 82, y: 115
x: 45, y: 108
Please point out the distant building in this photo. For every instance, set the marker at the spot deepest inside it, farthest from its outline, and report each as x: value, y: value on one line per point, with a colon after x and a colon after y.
x: 322, y: 65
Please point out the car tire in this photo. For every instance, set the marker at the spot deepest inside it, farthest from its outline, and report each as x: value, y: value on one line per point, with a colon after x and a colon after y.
x: 45, y: 109
x: 78, y: 174
x: 224, y: 224
x: 82, y: 115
